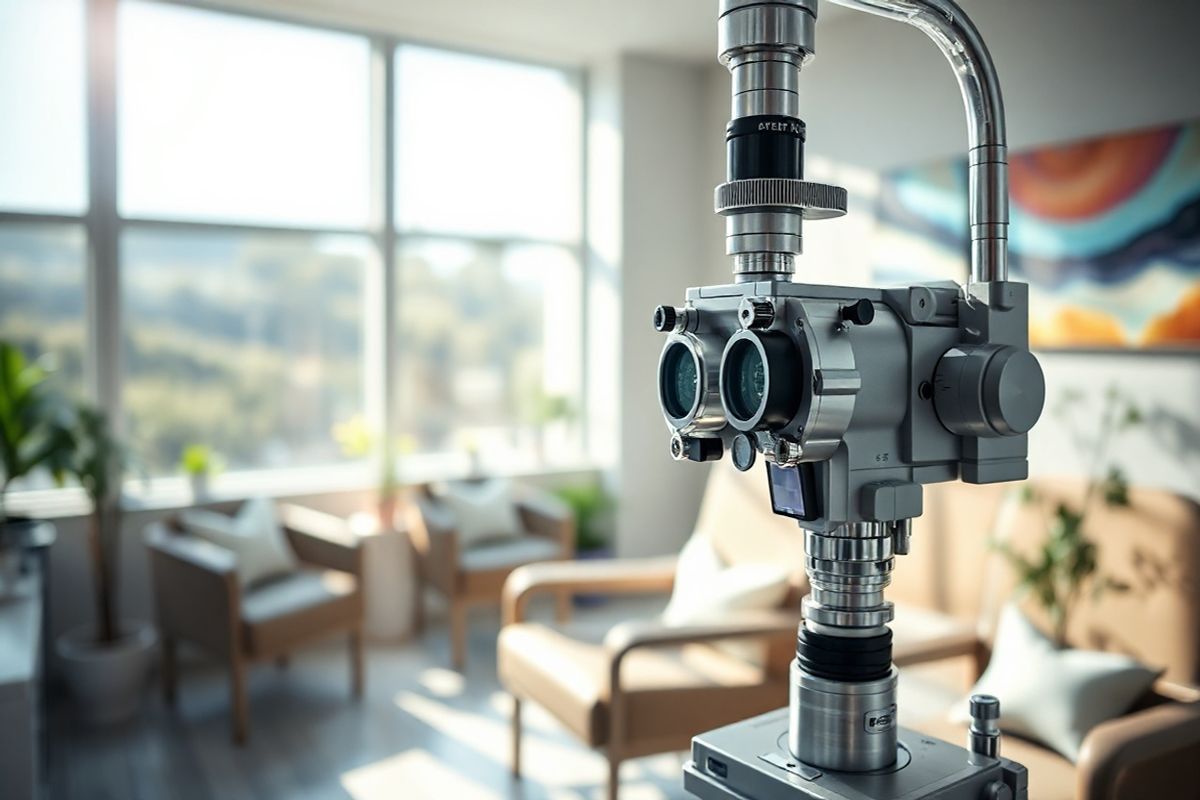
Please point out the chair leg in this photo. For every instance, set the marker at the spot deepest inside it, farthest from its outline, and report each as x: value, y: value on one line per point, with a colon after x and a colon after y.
x: 562, y: 607
x: 237, y: 687
x: 614, y: 778
x: 357, y: 662
x: 516, y: 737
x: 458, y: 634
x: 170, y: 677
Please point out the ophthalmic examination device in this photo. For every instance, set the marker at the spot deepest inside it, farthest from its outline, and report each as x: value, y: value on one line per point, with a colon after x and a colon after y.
x: 854, y: 398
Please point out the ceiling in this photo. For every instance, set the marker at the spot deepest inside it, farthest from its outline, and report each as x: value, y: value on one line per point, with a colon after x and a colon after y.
x: 572, y: 30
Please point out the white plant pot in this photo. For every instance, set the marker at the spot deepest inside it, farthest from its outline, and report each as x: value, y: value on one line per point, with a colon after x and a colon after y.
x: 199, y: 486
x: 107, y: 681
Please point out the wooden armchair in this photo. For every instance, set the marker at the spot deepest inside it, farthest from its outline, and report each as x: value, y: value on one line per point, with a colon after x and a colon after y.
x: 648, y: 687
x: 199, y: 599
x: 469, y: 577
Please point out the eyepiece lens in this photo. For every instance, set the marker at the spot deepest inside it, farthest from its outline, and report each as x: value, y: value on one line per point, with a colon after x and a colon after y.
x: 747, y: 381
x: 680, y: 382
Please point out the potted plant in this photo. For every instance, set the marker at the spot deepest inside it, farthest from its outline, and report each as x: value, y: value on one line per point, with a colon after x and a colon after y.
x: 199, y: 464
x: 1057, y: 573
x: 105, y: 664
x: 35, y: 433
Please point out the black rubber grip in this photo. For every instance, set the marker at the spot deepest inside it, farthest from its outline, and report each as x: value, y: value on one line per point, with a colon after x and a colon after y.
x: 844, y: 658
x: 765, y: 146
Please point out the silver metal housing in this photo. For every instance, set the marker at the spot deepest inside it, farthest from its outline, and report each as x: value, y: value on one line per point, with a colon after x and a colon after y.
x: 843, y: 726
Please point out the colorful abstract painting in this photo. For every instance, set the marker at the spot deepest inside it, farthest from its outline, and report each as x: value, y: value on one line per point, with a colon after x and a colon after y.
x: 1106, y: 232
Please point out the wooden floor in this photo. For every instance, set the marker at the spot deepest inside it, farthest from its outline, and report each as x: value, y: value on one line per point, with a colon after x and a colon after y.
x: 422, y: 731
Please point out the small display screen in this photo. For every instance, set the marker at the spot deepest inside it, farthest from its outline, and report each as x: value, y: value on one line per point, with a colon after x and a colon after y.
x: 793, y: 491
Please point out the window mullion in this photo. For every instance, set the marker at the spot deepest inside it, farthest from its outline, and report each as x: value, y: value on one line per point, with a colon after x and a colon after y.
x: 104, y: 289
x: 388, y: 239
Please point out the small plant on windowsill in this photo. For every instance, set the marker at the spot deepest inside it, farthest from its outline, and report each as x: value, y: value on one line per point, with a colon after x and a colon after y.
x: 200, y: 464
x: 1058, y: 572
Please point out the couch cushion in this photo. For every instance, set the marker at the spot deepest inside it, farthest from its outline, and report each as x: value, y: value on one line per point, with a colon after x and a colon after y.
x: 482, y: 510
x: 1056, y: 696
x: 508, y: 554
x: 253, y: 535
x: 1051, y: 777
x: 673, y: 692
x: 294, y: 608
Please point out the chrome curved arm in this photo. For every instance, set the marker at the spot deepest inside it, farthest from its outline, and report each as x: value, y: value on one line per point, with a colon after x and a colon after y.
x: 959, y: 40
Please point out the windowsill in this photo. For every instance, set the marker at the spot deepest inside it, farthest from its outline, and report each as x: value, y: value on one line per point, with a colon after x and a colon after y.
x: 173, y: 493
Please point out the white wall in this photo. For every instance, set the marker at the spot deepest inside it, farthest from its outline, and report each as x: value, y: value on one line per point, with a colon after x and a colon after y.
x: 668, y: 233
x: 879, y: 95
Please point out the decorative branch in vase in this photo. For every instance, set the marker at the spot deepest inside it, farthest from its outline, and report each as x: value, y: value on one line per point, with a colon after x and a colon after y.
x: 1066, y: 563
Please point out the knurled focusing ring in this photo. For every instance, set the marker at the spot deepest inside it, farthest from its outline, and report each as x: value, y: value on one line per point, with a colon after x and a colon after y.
x: 764, y: 146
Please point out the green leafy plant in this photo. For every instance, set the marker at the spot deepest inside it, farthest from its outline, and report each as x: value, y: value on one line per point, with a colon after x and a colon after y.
x: 35, y: 422
x: 199, y: 460
x: 591, y: 506
x: 1057, y: 573
x: 99, y: 462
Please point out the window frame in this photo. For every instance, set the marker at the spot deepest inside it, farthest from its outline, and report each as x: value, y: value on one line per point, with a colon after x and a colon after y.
x: 103, y: 227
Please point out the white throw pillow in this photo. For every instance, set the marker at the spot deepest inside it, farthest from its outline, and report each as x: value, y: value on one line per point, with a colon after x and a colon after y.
x: 706, y: 588
x: 1055, y: 696
x: 483, y: 511
x: 254, y: 535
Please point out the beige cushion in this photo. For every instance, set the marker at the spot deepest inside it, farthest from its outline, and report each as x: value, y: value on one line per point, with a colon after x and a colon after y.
x: 1055, y: 696
x: 507, y: 554
x: 482, y: 510
x: 706, y: 588
x: 253, y: 535
x: 673, y: 692
x: 289, y: 609
x: 736, y: 517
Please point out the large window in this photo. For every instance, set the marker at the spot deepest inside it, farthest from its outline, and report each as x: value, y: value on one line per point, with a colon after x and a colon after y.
x: 281, y: 267
x: 43, y: 184
x: 489, y: 290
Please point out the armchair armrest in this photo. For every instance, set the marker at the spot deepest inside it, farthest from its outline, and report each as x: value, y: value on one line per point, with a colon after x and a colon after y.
x: 628, y: 636
x: 196, y: 591
x: 624, y: 575
x: 322, y: 539
x: 1150, y: 753
x: 544, y: 515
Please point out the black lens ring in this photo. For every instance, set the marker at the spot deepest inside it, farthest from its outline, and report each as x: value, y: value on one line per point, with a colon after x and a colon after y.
x: 780, y: 397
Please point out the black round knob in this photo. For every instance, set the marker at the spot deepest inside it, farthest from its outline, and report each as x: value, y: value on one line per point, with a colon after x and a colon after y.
x: 665, y: 318
x: 860, y: 313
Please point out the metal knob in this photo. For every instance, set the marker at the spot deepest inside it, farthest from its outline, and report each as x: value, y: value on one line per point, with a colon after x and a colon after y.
x: 756, y: 315
x: 988, y: 390
x: 984, y: 733
x: 665, y: 318
x: 692, y: 448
